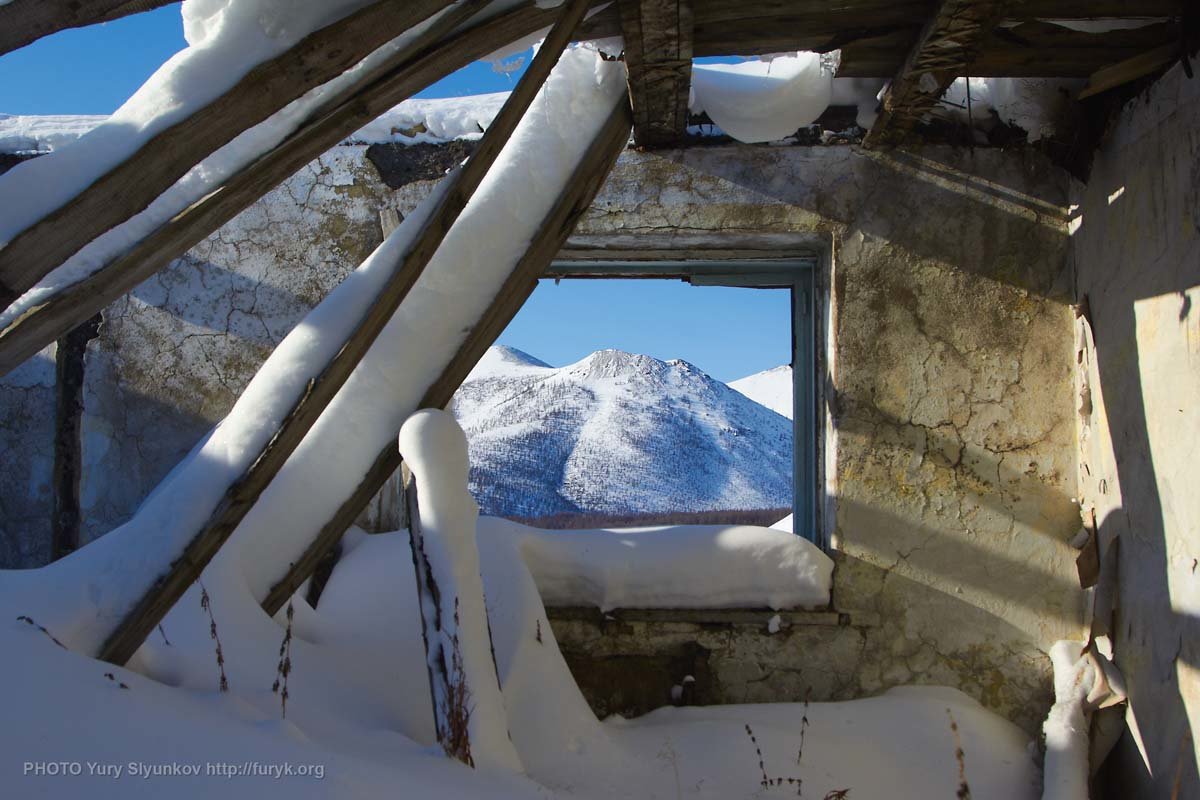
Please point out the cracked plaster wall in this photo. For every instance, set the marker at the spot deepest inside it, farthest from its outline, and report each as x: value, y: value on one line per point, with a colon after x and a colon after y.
x: 953, y: 442
x: 174, y: 354
x: 1136, y: 257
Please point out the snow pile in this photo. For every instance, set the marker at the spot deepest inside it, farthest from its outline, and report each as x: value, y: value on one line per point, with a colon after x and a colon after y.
x: 771, y: 388
x: 1066, y: 727
x: 436, y: 449
x: 1040, y: 106
x: 762, y: 101
x: 434, y: 121
x: 686, y: 566
x: 42, y: 134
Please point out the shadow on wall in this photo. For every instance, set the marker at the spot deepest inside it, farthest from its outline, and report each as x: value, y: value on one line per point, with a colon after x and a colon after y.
x: 1153, y: 639
x: 913, y: 201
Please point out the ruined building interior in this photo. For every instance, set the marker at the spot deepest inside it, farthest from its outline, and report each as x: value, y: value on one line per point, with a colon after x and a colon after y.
x: 989, y: 224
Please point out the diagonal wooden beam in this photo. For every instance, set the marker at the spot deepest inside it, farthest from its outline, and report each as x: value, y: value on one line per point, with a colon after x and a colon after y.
x: 577, y: 195
x: 943, y: 51
x: 241, y: 495
x: 658, y: 57
x: 431, y: 58
x: 26, y: 21
x: 130, y: 186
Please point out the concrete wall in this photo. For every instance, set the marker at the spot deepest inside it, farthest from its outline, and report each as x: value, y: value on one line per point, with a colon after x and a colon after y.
x: 1136, y: 257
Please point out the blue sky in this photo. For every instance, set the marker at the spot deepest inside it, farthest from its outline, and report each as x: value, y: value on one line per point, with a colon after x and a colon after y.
x: 729, y: 333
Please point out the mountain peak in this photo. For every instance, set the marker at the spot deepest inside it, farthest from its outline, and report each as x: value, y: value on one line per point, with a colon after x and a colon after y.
x: 502, y: 360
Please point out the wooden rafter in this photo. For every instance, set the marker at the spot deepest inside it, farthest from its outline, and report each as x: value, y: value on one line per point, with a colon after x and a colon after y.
x: 944, y: 51
x: 129, y: 187
x: 577, y: 195
x: 658, y: 57
x: 425, y: 61
x: 26, y: 21
x: 241, y: 495
x: 875, y: 36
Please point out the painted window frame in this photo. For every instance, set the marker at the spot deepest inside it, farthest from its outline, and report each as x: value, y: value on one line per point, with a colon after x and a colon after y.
x: 797, y: 273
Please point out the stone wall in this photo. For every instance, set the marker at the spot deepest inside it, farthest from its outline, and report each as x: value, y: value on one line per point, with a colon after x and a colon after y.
x: 1136, y: 257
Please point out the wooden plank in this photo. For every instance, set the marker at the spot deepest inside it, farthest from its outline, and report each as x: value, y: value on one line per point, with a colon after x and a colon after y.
x: 240, y: 497
x: 946, y: 46
x: 577, y: 196
x: 129, y: 187
x: 875, y: 36
x: 658, y: 58
x: 1131, y: 69
x: 429, y: 59
x: 26, y: 21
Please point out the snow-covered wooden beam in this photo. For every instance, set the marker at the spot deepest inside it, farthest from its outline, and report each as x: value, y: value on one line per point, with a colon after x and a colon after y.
x: 577, y: 196
x: 943, y: 51
x: 26, y: 21
x: 241, y: 495
x: 130, y: 186
x: 658, y: 57
x: 430, y: 58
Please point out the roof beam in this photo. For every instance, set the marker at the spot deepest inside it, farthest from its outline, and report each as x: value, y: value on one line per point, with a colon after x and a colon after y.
x: 577, y: 195
x: 430, y: 59
x: 26, y: 21
x: 658, y: 57
x: 241, y: 495
x: 943, y: 51
x: 132, y: 185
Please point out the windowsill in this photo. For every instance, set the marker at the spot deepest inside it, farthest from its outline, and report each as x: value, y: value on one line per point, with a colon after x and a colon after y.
x: 757, y: 617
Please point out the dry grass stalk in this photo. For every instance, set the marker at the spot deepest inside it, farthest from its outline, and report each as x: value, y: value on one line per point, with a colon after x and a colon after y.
x: 113, y: 678
x: 804, y: 723
x: 964, y: 789
x: 206, y: 604
x: 458, y: 706
x: 284, y: 668
x: 29, y: 621
x: 767, y: 781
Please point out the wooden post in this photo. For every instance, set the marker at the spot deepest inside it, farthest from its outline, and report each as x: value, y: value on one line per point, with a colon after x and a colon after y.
x: 132, y: 185
x: 68, y: 446
x: 658, y: 56
x: 241, y: 495
x: 577, y: 195
x: 428, y: 59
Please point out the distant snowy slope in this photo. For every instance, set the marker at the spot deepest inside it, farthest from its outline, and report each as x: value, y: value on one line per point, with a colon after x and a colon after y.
x: 617, y: 433
x: 771, y: 388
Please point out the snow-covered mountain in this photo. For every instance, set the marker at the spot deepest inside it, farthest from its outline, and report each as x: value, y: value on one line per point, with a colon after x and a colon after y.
x: 771, y: 388
x: 617, y: 433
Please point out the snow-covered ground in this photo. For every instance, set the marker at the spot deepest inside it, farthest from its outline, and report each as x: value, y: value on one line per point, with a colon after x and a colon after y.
x: 771, y: 388
x: 617, y: 433
x: 358, y: 722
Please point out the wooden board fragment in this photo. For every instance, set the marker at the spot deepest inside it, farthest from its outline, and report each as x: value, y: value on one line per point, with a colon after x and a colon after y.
x: 943, y: 51
x: 25, y: 21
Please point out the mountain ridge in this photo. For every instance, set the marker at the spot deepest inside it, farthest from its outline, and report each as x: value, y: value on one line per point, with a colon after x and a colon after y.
x: 617, y: 433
